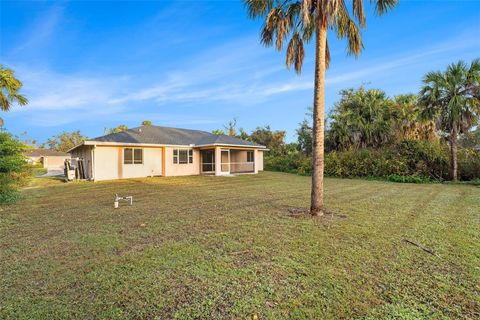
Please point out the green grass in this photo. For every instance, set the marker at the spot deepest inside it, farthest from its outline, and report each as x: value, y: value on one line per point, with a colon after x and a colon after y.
x: 224, y: 248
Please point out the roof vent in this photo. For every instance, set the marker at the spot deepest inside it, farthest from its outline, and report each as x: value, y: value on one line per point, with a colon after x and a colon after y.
x: 139, y: 129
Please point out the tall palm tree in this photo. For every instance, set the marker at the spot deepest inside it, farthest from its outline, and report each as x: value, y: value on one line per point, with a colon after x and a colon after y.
x: 452, y: 98
x: 9, y: 87
x: 300, y: 20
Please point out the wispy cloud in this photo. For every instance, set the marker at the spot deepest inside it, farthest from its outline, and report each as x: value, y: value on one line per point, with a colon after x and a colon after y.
x: 59, y: 99
x: 42, y: 29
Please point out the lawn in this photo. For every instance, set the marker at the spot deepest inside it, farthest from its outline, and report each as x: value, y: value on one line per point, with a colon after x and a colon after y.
x: 225, y: 248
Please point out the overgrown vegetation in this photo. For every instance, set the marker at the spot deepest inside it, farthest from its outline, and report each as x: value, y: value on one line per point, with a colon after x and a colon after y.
x: 223, y: 248
x: 14, y: 171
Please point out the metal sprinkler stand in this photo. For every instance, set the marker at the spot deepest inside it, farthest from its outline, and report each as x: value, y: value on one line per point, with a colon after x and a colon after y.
x: 117, y: 199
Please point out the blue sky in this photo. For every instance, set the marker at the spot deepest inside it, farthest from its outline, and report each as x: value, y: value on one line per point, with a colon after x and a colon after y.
x: 197, y: 64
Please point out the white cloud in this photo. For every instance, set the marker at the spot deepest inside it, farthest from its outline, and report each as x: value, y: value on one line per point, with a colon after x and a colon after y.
x: 232, y: 73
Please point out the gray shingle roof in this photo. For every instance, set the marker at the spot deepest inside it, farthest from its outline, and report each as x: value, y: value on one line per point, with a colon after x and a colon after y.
x: 171, y: 136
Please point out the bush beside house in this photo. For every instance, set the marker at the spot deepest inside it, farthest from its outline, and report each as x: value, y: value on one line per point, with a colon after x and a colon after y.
x: 14, y: 171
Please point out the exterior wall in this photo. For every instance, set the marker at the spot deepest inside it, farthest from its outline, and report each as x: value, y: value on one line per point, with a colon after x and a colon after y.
x: 54, y: 162
x: 177, y: 169
x: 109, y: 164
x: 151, y: 166
x: 259, y: 160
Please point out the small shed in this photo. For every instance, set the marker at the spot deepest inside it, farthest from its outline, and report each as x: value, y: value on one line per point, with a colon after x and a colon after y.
x: 50, y: 159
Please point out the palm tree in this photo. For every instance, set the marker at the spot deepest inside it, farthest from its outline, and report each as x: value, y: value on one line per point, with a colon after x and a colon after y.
x: 452, y: 98
x: 300, y: 20
x: 409, y: 123
x: 9, y: 87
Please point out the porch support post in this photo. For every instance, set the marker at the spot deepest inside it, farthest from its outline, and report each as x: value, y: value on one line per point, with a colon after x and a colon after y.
x: 218, y: 161
x: 255, y: 161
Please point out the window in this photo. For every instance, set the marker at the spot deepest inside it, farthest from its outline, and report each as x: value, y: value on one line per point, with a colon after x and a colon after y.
x: 182, y: 156
x: 137, y: 156
x: 132, y: 156
x: 175, y: 156
x: 128, y: 156
x: 249, y: 156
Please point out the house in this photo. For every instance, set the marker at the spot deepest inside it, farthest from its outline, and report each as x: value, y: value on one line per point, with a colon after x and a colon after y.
x: 161, y: 151
x: 50, y: 159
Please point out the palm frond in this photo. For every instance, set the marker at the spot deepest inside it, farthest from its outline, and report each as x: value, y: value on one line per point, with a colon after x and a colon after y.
x: 382, y: 6
x: 258, y: 8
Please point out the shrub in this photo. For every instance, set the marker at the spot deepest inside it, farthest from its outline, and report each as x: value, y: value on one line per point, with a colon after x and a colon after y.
x: 411, y: 161
x: 14, y: 171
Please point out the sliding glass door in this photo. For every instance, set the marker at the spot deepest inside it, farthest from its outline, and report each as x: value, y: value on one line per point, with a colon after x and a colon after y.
x: 208, y: 160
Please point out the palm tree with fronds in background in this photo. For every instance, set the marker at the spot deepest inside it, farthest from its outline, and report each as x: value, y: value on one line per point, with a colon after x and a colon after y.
x: 299, y: 21
x: 9, y: 87
x: 452, y: 99
x: 409, y: 124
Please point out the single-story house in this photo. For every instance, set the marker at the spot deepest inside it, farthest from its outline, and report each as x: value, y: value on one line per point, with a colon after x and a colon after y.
x: 50, y: 159
x: 161, y: 151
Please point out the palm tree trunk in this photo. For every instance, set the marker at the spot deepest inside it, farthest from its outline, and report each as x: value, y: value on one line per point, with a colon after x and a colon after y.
x: 453, y: 155
x: 316, y: 207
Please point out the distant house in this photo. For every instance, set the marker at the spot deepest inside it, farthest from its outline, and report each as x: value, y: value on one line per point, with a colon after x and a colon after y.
x: 49, y: 159
x: 161, y: 151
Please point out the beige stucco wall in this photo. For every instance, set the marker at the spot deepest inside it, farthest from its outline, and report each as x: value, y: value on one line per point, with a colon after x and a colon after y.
x: 172, y: 169
x: 54, y: 162
x: 106, y: 162
x: 259, y: 160
x: 109, y: 163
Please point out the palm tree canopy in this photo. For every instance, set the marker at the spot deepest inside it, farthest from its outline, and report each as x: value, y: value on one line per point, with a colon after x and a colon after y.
x: 453, y: 97
x: 9, y: 87
x: 296, y: 20
x: 362, y: 118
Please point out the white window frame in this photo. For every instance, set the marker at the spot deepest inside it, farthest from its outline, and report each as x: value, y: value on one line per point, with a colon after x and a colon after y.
x: 176, y: 155
x: 133, y: 155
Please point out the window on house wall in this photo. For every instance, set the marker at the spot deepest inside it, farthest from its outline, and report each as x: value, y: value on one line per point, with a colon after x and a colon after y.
x: 175, y: 156
x: 137, y: 156
x: 182, y: 156
x: 133, y: 156
x: 250, y: 156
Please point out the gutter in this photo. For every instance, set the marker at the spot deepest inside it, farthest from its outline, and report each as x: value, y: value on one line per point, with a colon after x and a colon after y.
x: 100, y: 143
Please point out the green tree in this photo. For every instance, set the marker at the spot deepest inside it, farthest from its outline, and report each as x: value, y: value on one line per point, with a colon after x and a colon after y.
x: 301, y: 21
x: 218, y: 132
x: 146, y: 123
x: 118, y: 129
x: 409, y: 125
x: 9, y: 90
x: 471, y: 139
x: 452, y: 99
x: 362, y: 118
x: 13, y: 167
x: 66, y: 140
x: 242, y: 134
x: 273, y: 140
x: 305, y: 138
